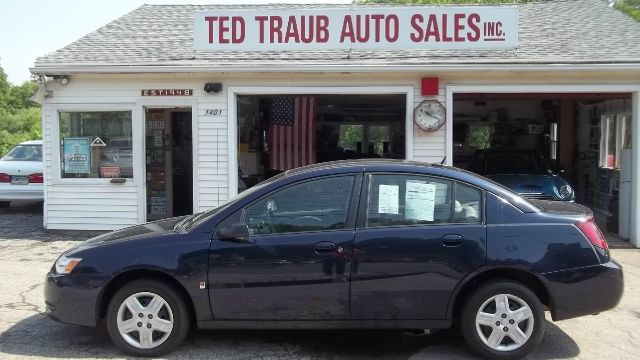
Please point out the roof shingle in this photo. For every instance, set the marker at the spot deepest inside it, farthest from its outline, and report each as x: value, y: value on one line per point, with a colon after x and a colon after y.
x: 560, y: 31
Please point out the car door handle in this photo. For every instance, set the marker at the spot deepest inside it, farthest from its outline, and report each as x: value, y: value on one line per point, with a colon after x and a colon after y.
x: 451, y: 240
x: 324, y: 247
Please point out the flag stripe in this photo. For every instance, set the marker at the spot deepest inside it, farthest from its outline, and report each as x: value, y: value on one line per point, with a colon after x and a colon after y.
x: 292, y: 140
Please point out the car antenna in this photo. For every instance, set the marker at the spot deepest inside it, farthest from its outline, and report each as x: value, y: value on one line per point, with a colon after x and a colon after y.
x: 443, y: 160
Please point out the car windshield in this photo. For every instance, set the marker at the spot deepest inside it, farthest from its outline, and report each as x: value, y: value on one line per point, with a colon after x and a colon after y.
x: 24, y: 153
x: 515, y: 163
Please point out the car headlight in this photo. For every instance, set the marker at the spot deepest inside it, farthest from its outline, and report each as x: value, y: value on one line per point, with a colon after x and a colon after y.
x: 565, y: 191
x: 65, y: 265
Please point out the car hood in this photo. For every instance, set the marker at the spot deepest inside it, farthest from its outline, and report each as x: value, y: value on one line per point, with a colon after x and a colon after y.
x: 20, y: 167
x: 529, y: 183
x: 132, y: 233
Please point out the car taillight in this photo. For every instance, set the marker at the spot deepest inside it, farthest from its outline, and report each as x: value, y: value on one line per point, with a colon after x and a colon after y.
x: 35, y: 178
x: 5, y: 178
x: 593, y: 233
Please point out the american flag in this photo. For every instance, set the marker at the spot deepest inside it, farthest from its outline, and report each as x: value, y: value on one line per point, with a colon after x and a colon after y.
x: 292, y: 133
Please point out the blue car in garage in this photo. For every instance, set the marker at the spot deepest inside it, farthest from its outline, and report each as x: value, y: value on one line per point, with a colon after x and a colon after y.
x: 523, y: 171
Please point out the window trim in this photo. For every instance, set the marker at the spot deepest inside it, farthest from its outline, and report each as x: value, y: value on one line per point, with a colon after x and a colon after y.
x: 618, y: 120
x: 352, y: 208
x: 366, y: 189
x: 55, y: 154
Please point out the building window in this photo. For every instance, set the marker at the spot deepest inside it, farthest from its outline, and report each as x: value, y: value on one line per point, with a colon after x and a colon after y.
x: 615, y: 135
x: 96, y: 144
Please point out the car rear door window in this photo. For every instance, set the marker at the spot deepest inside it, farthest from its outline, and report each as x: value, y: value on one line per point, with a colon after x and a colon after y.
x: 396, y: 200
x: 467, y: 205
x: 408, y: 200
x: 315, y: 205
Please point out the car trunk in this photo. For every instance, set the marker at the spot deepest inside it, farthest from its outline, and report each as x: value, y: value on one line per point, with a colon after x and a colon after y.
x: 562, y: 207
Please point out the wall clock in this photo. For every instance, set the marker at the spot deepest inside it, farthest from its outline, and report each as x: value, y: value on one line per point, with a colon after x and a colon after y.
x: 430, y: 115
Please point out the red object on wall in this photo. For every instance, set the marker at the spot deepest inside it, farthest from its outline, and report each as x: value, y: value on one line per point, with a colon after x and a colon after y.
x: 430, y: 86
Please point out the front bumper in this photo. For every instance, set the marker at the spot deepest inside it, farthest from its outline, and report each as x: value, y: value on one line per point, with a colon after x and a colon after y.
x: 72, y: 299
x: 584, y: 291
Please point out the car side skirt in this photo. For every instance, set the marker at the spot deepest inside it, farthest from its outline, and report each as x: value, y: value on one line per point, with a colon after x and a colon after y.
x: 319, y: 325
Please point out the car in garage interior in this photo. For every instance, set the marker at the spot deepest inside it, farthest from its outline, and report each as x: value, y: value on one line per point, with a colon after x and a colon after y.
x: 524, y: 171
x: 352, y: 244
x: 21, y: 173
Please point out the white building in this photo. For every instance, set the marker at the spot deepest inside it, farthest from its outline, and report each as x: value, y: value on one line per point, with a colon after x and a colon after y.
x: 187, y: 119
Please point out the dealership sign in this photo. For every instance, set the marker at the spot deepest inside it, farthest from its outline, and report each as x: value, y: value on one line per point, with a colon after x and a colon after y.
x: 449, y: 27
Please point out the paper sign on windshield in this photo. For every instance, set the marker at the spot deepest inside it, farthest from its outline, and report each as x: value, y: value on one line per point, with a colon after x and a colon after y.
x: 420, y: 201
x: 388, y: 199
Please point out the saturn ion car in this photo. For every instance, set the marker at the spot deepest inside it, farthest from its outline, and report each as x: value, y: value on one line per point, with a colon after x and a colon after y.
x: 346, y: 245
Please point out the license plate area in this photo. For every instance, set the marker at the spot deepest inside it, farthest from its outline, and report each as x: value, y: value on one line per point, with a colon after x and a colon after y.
x: 19, y: 180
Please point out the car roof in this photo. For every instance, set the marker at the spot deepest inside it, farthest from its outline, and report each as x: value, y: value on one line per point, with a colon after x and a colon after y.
x: 359, y: 165
x: 31, y: 142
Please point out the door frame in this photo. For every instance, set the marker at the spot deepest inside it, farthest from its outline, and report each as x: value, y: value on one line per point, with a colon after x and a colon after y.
x: 140, y: 113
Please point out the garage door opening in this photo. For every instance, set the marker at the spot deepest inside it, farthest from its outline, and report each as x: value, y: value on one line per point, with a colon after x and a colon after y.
x: 583, y: 138
x: 281, y: 132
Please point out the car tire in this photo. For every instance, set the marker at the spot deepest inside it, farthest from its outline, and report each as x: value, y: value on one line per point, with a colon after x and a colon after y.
x: 516, y: 331
x: 5, y: 204
x: 160, y: 325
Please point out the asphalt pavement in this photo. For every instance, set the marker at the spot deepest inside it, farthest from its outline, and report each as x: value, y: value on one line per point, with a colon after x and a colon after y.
x: 27, y: 251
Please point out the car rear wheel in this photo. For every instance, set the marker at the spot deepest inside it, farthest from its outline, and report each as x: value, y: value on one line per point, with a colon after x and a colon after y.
x: 147, y: 318
x: 5, y: 204
x: 503, y: 320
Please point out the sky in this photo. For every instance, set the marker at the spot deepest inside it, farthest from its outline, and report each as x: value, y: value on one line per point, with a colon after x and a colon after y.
x: 33, y: 28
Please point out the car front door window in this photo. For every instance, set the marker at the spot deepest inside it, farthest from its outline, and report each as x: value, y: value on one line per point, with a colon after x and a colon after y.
x: 314, y: 205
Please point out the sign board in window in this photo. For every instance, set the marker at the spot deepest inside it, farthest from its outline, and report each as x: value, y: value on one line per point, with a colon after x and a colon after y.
x: 77, y: 155
x: 358, y: 28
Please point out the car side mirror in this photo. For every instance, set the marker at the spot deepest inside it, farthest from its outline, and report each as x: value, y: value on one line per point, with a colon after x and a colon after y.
x: 238, y: 232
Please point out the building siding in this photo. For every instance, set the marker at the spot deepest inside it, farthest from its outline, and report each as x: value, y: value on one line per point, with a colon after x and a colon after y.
x: 104, y: 206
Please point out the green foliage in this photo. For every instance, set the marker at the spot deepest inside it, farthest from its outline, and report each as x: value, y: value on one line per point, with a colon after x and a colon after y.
x: 19, y: 117
x: 630, y: 7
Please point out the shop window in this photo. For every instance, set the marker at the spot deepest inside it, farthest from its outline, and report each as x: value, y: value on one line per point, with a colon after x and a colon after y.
x: 615, y: 135
x: 96, y: 144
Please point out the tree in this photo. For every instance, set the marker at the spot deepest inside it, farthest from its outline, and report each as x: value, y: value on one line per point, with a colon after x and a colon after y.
x: 629, y: 7
x: 19, y: 116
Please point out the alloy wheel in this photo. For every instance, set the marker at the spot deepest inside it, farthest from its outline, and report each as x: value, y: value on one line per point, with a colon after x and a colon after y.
x: 145, y: 320
x: 504, y: 322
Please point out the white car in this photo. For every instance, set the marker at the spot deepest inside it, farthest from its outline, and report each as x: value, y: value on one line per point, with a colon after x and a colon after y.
x: 21, y: 173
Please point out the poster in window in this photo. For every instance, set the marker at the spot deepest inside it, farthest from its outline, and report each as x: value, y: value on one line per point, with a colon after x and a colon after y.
x: 77, y: 155
x: 388, y: 199
x: 420, y: 201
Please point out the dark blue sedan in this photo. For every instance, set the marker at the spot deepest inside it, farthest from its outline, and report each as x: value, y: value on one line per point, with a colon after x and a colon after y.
x: 349, y: 245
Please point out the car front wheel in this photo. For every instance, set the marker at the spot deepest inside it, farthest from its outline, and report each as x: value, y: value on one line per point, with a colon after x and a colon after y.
x: 147, y: 318
x: 503, y: 320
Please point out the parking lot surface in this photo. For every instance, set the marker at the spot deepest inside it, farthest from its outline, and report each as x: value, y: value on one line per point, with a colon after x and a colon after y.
x: 27, y: 251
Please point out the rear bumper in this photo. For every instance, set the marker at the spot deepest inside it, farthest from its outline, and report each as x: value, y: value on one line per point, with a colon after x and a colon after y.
x: 10, y: 192
x: 584, y: 291
x: 72, y: 299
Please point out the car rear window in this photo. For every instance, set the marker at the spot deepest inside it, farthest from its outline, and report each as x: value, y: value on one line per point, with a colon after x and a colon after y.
x: 24, y: 153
